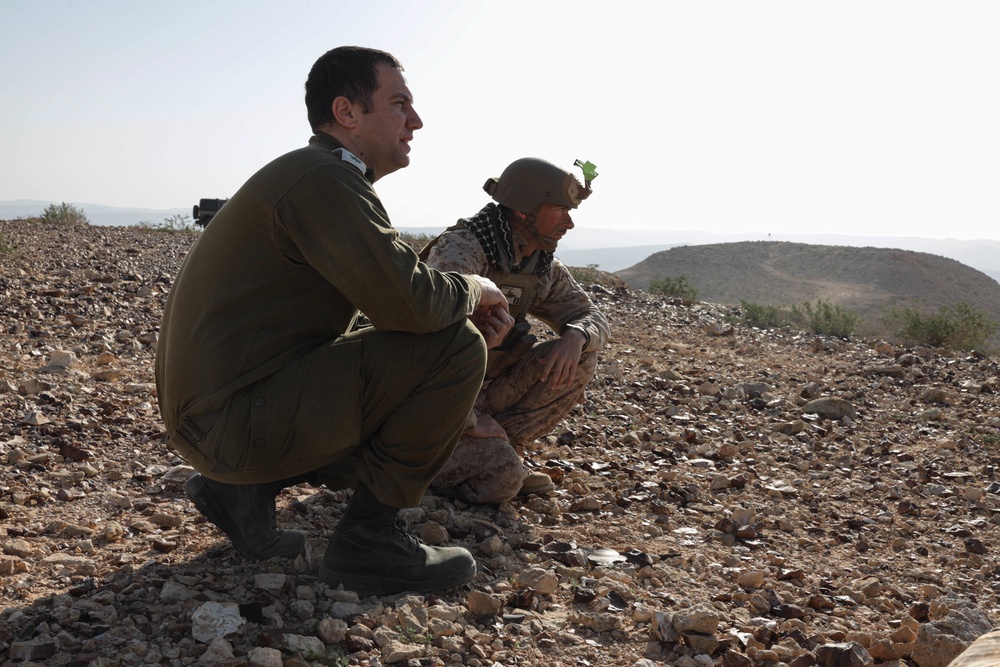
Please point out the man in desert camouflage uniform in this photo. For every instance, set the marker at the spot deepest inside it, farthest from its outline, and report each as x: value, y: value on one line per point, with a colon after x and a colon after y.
x: 529, y: 386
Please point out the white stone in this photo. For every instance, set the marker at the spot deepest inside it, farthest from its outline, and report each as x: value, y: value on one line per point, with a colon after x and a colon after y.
x: 216, y: 619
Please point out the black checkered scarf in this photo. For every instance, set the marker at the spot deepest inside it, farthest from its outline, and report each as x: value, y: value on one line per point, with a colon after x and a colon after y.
x: 496, y: 236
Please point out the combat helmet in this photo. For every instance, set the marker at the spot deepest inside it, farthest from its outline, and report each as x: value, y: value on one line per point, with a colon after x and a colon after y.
x: 530, y: 181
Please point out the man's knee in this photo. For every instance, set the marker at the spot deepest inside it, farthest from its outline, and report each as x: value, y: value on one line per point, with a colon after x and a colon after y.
x: 482, y: 470
x: 471, y: 342
x: 467, y: 350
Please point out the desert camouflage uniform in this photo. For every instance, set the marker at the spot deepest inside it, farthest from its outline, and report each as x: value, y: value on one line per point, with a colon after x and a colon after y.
x: 489, y: 470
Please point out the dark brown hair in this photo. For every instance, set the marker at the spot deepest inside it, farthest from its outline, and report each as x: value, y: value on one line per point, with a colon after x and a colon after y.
x: 346, y: 71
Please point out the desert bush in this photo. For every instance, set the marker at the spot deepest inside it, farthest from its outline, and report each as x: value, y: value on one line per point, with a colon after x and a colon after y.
x: 959, y: 327
x: 64, y: 214
x: 677, y: 287
x: 825, y: 319
x: 819, y: 318
x: 175, y: 223
x: 7, y: 249
x: 591, y: 275
x: 585, y: 274
x: 761, y: 316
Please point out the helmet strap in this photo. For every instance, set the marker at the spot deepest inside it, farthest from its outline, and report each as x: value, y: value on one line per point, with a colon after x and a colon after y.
x: 547, y: 243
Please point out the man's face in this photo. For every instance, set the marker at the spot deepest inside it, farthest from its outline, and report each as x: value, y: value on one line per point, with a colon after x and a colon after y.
x: 553, y: 221
x: 383, y: 135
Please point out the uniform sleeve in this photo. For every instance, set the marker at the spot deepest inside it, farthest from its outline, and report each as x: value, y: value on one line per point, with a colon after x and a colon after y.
x: 458, y: 251
x: 338, y: 224
x: 565, y: 305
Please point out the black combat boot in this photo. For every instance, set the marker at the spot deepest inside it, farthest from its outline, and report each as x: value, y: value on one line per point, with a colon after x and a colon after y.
x: 245, y: 512
x: 371, y: 553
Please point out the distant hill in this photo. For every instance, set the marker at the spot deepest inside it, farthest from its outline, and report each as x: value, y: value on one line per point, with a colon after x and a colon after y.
x: 982, y: 254
x: 865, y: 280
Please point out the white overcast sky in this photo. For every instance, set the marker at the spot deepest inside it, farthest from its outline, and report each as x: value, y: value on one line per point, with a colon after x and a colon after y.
x: 854, y: 117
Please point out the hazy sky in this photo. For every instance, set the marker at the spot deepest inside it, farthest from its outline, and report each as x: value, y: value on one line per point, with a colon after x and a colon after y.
x: 855, y: 117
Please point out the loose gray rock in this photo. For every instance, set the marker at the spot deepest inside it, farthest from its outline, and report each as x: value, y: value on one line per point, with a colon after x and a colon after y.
x: 174, y: 591
x: 849, y: 654
x: 270, y: 582
x: 218, y: 652
x: 36, y: 649
x: 830, y: 408
x: 309, y: 648
x: 261, y: 656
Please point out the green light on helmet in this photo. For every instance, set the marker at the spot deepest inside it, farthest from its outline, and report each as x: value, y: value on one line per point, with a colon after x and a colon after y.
x: 589, y: 171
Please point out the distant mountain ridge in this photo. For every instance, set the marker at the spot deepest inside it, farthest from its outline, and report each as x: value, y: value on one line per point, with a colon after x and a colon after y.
x: 865, y: 280
x: 610, y: 249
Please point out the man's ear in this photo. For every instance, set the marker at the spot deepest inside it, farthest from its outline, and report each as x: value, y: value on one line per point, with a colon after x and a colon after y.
x: 344, y: 112
x: 519, y: 214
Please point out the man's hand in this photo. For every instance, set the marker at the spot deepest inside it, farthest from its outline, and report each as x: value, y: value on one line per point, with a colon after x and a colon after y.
x: 559, y: 364
x: 492, y: 317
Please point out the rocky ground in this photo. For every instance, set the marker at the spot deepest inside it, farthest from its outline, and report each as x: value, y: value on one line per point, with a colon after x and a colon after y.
x: 726, y: 497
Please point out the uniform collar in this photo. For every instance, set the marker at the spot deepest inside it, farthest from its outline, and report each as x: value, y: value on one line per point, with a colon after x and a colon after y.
x: 333, y: 144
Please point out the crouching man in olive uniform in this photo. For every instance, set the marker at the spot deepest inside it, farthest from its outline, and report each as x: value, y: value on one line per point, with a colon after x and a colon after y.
x: 260, y: 384
x: 529, y: 386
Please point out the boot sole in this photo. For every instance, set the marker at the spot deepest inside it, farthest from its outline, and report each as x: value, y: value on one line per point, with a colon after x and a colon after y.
x: 369, y: 586
x: 209, y: 505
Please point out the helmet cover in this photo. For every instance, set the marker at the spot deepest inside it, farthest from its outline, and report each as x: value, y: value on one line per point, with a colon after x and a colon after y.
x: 529, y: 182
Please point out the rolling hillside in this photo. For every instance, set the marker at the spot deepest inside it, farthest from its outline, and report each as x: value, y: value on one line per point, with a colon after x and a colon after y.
x: 865, y: 280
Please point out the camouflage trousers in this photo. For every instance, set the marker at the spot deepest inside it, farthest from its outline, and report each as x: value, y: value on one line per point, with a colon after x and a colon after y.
x: 489, y: 470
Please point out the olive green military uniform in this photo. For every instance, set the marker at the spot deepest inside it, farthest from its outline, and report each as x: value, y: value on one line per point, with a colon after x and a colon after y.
x: 258, y: 378
x: 489, y: 470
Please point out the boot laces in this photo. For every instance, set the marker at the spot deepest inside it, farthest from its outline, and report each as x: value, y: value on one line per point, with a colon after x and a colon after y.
x: 408, y: 539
